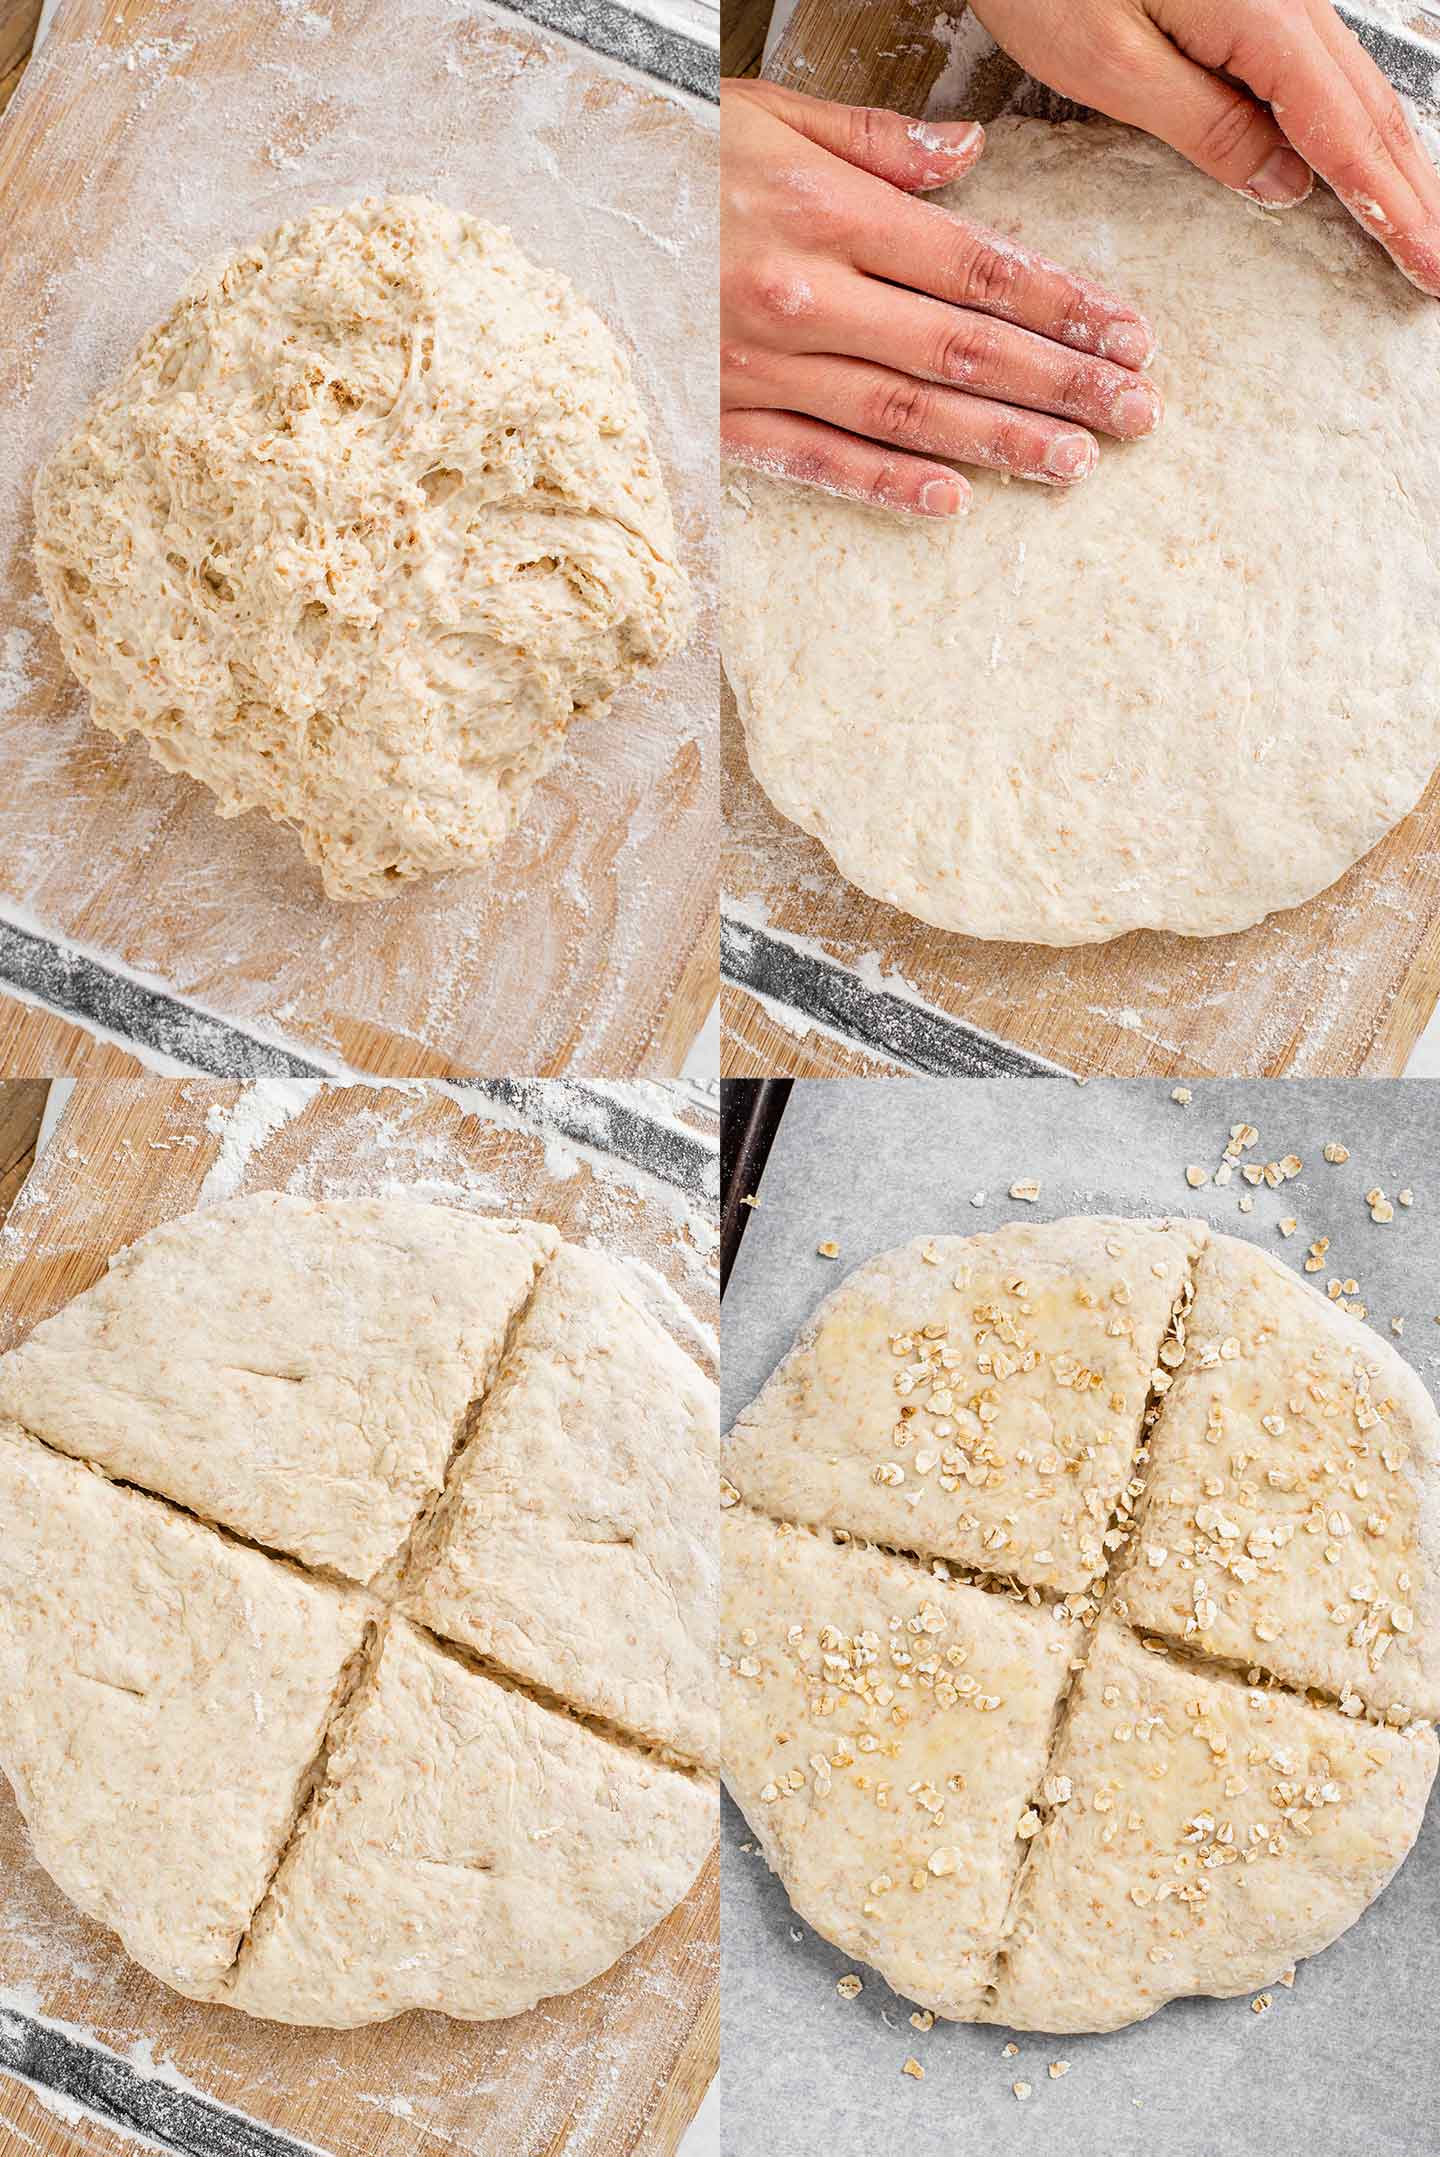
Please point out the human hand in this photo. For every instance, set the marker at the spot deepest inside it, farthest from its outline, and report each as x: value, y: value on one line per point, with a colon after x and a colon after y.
x: 865, y: 333
x: 1317, y: 101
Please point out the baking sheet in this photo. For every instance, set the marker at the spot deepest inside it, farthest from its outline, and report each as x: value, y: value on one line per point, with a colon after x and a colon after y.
x: 1348, y: 2061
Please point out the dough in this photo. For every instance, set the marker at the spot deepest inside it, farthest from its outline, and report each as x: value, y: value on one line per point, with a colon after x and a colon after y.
x: 470, y: 1848
x: 582, y: 1510
x: 363, y: 524
x: 301, y: 1372
x: 165, y: 1693
x: 280, y: 1792
x: 1056, y: 1798
x: 974, y: 1396
x: 1182, y: 695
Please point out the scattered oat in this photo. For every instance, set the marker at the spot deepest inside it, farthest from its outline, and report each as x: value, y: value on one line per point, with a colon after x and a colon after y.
x: 1027, y: 1188
x: 1397, y: 1326
x: 1247, y: 1205
x: 922, y: 2019
x: 1009, y: 2052
x: 1261, y: 2001
x: 1057, y: 2068
x: 1335, y: 1153
x: 912, y: 2067
x: 977, y: 1198
x: 1287, y: 1978
x: 827, y: 1250
x: 1288, y: 1226
x: 1021, y: 2089
x: 749, y: 1199
x: 1406, y: 1198
x: 1182, y: 1095
x: 1195, y: 1176
x: 849, y: 1987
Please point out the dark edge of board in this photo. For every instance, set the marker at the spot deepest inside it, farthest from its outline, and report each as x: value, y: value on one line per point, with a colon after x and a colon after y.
x: 54, y: 2062
x: 81, y: 990
x: 592, y: 1117
x: 879, y: 1023
x: 750, y: 1113
x: 635, y: 40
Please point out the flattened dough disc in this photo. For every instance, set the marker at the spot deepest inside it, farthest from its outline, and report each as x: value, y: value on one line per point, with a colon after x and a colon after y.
x: 1133, y: 704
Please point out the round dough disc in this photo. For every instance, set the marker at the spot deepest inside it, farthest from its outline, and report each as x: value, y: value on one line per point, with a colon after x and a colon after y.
x: 414, y: 1749
x: 1183, y: 694
x: 1057, y: 1805
x: 365, y: 522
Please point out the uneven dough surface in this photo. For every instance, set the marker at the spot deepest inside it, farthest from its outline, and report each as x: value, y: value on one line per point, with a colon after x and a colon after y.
x: 363, y: 524
x: 1213, y: 1834
x: 279, y: 1792
x: 1133, y: 704
x: 1318, y: 1556
x: 165, y: 1693
x: 296, y: 1371
x: 883, y: 1731
x: 977, y: 1398
x: 583, y: 1509
x: 471, y: 1847
x: 1177, y: 1761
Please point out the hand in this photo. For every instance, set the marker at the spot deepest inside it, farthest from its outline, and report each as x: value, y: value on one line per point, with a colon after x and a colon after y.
x: 1319, y: 103
x: 864, y: 333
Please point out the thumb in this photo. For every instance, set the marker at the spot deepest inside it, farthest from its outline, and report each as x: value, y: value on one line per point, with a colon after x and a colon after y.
x: 913, y: 154
x: 1216, y: 126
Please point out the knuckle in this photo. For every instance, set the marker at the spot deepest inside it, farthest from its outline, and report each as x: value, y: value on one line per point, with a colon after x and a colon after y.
x: 897, y: 410
x: 1224, y: 133
x: 965, y: 352
x: 866, y: 134
x: 1081, y: 388
x: 774, y: 291
x: 988, y: 271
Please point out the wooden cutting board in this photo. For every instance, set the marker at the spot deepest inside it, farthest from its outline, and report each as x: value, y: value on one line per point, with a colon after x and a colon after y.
x: 1343, y: 985
x: 150, y: 136
x: 617, y: 2067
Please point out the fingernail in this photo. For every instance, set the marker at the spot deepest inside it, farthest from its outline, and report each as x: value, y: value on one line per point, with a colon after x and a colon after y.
x: 1128, y: 344
x: 1282, y: 180
x: 1136, y: 411
x: 941, y: 498
x: 1071, y: 456
x: 951, y: 139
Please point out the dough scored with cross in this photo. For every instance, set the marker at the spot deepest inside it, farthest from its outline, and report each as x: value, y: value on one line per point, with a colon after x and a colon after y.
x: 235, y: 1749
x: 365, y: 522
x: 1131, y: 704
x: 1079, y: 1642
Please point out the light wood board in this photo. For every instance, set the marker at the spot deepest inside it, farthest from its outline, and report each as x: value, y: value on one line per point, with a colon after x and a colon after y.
x: 150, y: 136
x: 618, y: 2067
x: 1341, y: 986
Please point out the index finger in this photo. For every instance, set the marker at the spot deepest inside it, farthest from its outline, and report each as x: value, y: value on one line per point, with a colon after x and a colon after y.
x: 919, y: 245
x: 1348, y: 124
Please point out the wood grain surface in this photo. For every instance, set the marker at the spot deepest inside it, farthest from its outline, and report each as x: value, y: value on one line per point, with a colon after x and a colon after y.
x: 150, y: 136
x: 616, y: 2068
x: 1341, y: 986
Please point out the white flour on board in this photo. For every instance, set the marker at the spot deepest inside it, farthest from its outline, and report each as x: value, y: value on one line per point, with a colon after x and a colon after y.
x: 553, y: 949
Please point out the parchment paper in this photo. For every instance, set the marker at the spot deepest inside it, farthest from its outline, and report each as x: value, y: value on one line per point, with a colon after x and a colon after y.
x: 1347, y: 2062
